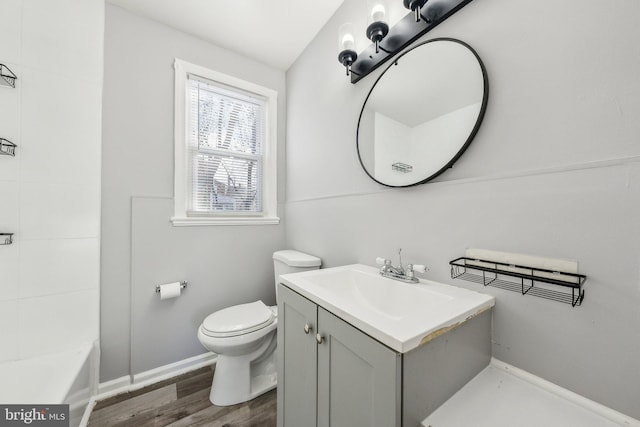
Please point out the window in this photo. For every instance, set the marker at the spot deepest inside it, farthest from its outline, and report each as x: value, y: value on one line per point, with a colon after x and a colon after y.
x: 225, y: 149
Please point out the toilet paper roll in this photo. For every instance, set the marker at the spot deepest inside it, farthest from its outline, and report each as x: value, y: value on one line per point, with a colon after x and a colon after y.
x: 170, y: 290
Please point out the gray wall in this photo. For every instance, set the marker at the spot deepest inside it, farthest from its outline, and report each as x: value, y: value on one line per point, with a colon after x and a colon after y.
x: 139, y: 246
x: 554, y: 171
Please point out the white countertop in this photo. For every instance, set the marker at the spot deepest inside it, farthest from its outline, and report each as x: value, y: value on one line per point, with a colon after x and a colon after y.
x: 401, y: 315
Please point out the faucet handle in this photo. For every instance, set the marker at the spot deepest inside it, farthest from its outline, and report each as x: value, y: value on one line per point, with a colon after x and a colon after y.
x: 420, y: 268
x: 381, y: 261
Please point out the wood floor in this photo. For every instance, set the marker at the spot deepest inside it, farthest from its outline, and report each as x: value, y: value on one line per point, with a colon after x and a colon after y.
x: 180, y: 402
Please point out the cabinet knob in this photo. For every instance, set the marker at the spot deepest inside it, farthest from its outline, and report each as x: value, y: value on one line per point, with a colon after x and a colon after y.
x: 307, y: 328
x: 319, y: 338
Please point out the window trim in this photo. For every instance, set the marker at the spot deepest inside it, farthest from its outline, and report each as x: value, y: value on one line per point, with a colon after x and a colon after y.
x: 269, y: 213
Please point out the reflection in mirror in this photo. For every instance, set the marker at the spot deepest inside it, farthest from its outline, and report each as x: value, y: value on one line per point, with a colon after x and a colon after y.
x: 422, y: 113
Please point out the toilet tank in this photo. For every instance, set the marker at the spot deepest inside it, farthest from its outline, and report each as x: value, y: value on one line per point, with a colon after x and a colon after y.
x: 289, y: 261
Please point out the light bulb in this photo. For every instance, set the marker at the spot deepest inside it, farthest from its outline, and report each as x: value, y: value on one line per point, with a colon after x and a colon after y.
x: 378, y: 13
x: 346, y: 46
x: 348, y: 41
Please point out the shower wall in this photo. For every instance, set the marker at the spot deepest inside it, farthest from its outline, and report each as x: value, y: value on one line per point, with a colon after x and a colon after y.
x: 50, y: 190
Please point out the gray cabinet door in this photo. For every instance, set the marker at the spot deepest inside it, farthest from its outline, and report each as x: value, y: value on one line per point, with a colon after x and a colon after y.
x: 358, y: 378
x: 297, y: 360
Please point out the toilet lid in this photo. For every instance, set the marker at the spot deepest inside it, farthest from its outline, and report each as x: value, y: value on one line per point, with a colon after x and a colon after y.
x: 238, y: 320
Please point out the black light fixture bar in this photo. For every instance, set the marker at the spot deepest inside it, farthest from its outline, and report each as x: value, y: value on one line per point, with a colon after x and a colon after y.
x: 403, y: 34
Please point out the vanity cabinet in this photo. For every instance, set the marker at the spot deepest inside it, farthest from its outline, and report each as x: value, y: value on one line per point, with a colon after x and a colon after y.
x: 330, y: 373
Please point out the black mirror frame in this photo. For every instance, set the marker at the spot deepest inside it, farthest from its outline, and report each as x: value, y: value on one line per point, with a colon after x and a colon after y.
x: 472, y: 134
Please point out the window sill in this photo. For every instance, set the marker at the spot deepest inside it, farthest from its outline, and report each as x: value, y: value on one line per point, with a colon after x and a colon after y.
x: 200, y: 221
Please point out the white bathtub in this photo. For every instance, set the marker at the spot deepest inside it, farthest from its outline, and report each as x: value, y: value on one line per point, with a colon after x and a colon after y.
x: 68, y: 377
x: 503, y: 395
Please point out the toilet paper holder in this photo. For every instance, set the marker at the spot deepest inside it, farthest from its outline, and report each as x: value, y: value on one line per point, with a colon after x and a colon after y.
x: 183, y: 285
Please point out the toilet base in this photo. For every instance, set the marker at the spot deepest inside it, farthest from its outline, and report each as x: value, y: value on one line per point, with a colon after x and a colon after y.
x: 237, y: 379
x: 259, y: 386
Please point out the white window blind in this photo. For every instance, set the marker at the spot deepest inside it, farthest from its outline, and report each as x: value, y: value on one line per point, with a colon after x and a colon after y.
x: 226, y: 138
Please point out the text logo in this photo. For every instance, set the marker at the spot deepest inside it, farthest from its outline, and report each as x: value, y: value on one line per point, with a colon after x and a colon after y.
x: 34, y: 415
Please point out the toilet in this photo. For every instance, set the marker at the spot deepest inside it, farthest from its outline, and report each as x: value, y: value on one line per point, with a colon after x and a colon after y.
x: 244, y: 339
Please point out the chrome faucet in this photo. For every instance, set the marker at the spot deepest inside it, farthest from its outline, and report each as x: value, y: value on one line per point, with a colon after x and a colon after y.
x: 399, y: 273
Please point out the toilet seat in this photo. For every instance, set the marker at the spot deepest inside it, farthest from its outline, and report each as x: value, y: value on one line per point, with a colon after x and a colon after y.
x: 238, y: 320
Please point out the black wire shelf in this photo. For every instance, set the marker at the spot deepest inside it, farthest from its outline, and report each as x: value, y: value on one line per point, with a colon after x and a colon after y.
x: 7, y: 78
x: 6, y: 239
x: 553, y: 285
x: 7, y: 147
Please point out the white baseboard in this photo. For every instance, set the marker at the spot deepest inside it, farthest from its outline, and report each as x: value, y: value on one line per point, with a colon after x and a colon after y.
x: 171, y: 370
x: 129, y: 383
x: 595, y: 407
x: 113, y: 387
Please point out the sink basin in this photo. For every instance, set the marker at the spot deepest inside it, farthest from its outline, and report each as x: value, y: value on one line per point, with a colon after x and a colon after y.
x: 401, y: 315
x: 376, y: 293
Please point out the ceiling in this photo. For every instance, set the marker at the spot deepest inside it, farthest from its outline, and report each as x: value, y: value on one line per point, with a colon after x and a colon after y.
x: 274, y: 32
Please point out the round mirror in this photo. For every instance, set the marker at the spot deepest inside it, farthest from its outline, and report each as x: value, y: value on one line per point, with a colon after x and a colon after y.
x: 422, y: 113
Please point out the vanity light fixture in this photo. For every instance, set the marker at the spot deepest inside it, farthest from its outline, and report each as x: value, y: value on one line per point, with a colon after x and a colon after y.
x: 346, y: 46
x: 388, y: 41
x: 377, y: 27
x: 415, y: 6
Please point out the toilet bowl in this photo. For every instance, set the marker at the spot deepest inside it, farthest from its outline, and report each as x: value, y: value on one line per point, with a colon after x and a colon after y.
x: 244, y: 338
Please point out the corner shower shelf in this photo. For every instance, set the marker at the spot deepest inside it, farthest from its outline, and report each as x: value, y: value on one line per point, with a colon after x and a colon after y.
x: 402, y: 167
x: 6, y: 239
x: 7, y: 147
x: 7, y: 78
x: 549, y: 284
